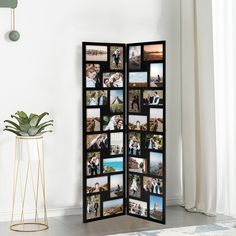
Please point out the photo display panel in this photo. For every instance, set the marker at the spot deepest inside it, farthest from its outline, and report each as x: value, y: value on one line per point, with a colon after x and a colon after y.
x: 146, y: 182
x: 103, y: 130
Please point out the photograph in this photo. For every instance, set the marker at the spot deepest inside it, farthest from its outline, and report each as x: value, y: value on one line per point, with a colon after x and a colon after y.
x: 96, y: 185
x: 134, y: 57
x: 93, y: 76
x: 93, y: 122
x: 93, y: 206
x: 97, y: 142
x: 137, y: 79
x: 96, y: 98
x: 116, y: 145
x: 93, y: 163
x: 116, y: 186
x: 111, y: 165
x: 156, y: 207
x: 156, y: 120
x: 156, y: 164
x: 152, y: 185
x: 153, y: 97
x: 137, y: 207
x: 134, y: 140
x: 153, y: 142
x: 96, y: 53
x: 116, y: 101
x: 116, y: 58
x: 138, y: 165
x: 113, y: 122
x: 156, y: 75
x: 153, y: 52
x: 134, y: 100
x: 112, y: 80
x: 113, y: 207
x: 134, y: 185
x: 137, y: 122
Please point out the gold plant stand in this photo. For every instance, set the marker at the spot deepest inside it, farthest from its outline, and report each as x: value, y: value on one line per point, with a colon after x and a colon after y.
x: 29, y: 185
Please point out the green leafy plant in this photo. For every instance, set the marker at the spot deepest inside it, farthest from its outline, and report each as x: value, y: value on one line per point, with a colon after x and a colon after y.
x: 28, y: 125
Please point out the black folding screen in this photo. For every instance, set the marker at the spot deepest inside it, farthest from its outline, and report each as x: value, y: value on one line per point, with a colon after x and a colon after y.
x: 124, y: 130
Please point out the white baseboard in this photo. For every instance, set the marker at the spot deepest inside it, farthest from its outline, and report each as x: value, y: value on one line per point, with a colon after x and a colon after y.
x: 172, y: 200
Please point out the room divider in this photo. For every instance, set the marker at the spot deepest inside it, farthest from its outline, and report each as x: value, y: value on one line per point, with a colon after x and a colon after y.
x: 124, y: 123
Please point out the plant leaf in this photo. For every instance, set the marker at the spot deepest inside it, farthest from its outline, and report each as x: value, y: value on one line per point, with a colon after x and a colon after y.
x: 13, y: 131
x: 23, y: 133
x: 48, y: 131
x: 11, y: 127
x: 41, y: 117
x: 22, y: 115
x: 33, y: 131
x: 24, y: 128
x: 34, y: 121
x: 32, y: 115
x: 12, y: 123
x: 44, y: 123
x: 44, y: 126
x: 20, y: 121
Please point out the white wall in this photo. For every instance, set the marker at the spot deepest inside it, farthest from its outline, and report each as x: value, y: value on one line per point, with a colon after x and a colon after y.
x: 42, y: 72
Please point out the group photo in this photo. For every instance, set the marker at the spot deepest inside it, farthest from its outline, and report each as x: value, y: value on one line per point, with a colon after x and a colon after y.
x: 96, y: 98
x: 152, y: 185
x: 153, y: 97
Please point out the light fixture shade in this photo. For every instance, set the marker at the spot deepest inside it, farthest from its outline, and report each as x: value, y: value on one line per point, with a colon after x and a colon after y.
x: 8, y: 3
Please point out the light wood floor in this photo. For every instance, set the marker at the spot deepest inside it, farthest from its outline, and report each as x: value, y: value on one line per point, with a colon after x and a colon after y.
x: 73, y: 226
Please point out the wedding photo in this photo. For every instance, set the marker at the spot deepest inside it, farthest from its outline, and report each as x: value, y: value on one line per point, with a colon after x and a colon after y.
x: 93, y: 76
x: 153, y: 97
x: 113, y: 122
x: 156, y: 120
x: 116, y: 58
x: 134, y: 57
x: 98, y: 184
x: 134, y: 140
x: 137, y: 207
x: 138, y: 165
x: 116, y: 186
x: 93, y: 163
x: 152, y: 185
x: 93, y: 206
x: 153, y: 52
x: 116, y: 145
x: 116, y: 101
x: 156, y: 207
x: 134, y: 100
x: 93, y: 122
x: 113, y: 207
x: 137, y: 122
x: 156, y: 164
x: 97, y: 142
x: 112, y: 80
x: 134, y: 185
x: 156, y: 75
x: 153, y: 142
x: 137, y: 79
x: 96, y: 53
x: 96, y: 98
x: 111, y: 165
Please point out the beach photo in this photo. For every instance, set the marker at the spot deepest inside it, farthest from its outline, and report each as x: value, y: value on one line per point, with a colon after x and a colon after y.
x: 113, y: 207
x: 116, y: 145
x: 134, y: 100
x: 153, y: 52
x: 116, y: 186
x: 96, y: 98
x: 93, y: 203
x: 93, y: 122
x: 137, y: 122
x: 96, y: 185
x: 137, y: 79
x: 113, y: 122
x: 156, y: 75
x: 96, y: 53
x: 134, y: 57
x: 137, y: 207
x: 112, y: 80
x: 93, y: 76
x: 153, y: 142
x: 152, y: 185
x: 134, y: 185
x: 97, y: 142
x: 116, y: 101
x: 156, y: 120
x: 93, y: 163
x: 134, y: 142
x: 156, y: 207
x: 156, y: 164
x: 111, y: 165
x: 138, y: 165
x: 153, y: 98
x: 116, y: 58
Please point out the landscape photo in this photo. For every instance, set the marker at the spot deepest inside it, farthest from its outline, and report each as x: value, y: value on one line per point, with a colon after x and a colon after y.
x: 116, y: 186
x: 116, y: 58
x: 93, y: 163
x: 113, y: 207
x: 115, y: 122
x: 116, y: 145
x: 98, y: 184
x: 137, y: 79
x: 111, y: 165
x: 153, y: 142
x: 97, y: 142
x: 112, y: 80
x: 134, y: 140
x: 96, y: 97
x: 156, y: 164
x: 152, y: 185
x: 96, y: 53
x: 153, y: 98
x: 134, y: 57
x: 93, y: 121
x: 137, y: 207
x: 156, y: 120
x: 137, y: 122
x: 134, y: 100
x: 116, y: 101
x: 156, y: 75
x: 153, y: 52
x: 138, y: 165
x: 156, y: 207
x: 134, y: 185
x: 93, y: 206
